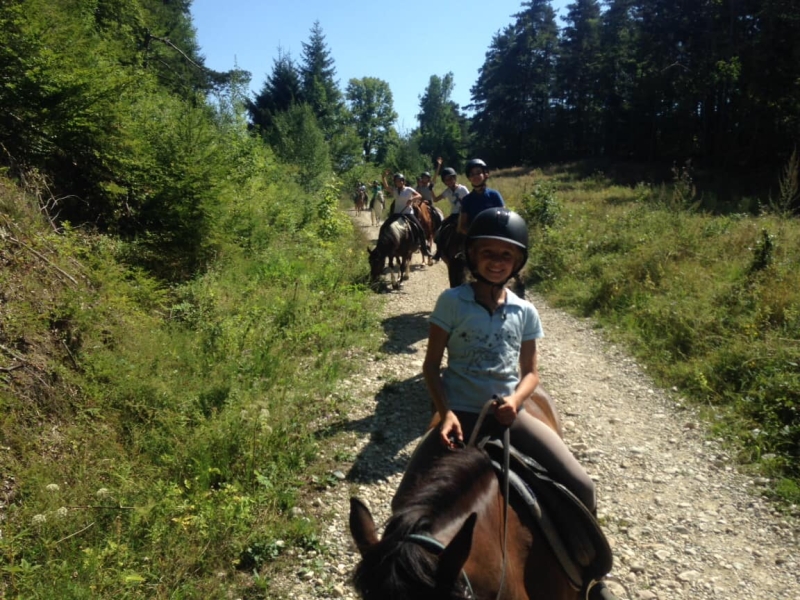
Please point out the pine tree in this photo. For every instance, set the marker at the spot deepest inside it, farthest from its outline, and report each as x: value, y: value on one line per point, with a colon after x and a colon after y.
x: 579, y: 75
x: 281, y: 91
x: 440, y: 121
x: 514, y: 95
x: 319, y: 87
x: 617, y: 75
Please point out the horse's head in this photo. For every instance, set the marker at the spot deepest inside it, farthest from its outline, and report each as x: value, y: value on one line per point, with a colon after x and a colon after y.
x: 405, y: 564
x: 377, y: 260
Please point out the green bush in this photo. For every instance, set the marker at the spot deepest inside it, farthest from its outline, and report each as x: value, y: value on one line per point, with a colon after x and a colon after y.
x: 710, y: 304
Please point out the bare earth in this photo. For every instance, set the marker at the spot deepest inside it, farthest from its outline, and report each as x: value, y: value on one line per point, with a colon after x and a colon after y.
x: 681, y: 521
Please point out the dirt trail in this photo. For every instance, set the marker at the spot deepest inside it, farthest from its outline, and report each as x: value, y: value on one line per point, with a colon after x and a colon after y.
x: 681, y: 521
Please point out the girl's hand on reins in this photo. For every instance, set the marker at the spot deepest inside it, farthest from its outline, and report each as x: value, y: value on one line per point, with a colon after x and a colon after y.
x: 505, y: 411
x: 450, y: 430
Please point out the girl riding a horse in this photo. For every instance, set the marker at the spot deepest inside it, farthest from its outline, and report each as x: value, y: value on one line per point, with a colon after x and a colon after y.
x: 404, y: 199
x: 490, y: 336
x: 454, y: 192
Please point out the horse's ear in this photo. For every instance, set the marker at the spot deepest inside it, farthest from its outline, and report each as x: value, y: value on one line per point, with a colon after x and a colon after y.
x: 362, y: 526
x: 452, y: 559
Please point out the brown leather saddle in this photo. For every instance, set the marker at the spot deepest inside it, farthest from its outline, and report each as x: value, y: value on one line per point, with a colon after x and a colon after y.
x: 571, y: 530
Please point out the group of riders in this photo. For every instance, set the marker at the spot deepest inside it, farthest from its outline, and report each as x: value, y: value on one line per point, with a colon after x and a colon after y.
x: 406, y: 201
x: 464, y: 326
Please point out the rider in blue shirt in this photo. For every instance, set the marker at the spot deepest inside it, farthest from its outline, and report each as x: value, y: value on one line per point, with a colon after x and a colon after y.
x: 480, y: 198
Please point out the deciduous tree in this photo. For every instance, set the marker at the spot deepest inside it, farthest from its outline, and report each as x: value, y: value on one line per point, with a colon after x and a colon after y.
x: 372, y: 109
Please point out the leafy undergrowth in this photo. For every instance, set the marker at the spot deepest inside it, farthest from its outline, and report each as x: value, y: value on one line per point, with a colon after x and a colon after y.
x: 710, y: 303
x: 154, y: 440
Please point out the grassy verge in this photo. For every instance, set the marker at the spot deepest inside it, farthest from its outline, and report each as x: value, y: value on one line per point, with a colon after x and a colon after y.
x: 711, y: 304
x: 155, y: 440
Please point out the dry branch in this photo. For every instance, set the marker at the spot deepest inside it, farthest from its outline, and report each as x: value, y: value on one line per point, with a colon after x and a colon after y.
x: 21, y: 244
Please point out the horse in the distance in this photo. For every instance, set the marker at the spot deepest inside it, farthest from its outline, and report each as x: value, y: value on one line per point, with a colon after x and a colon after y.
x: 448, y: 538
x: 396, y: 241
x: 360, y: 200
x: 376, y: 207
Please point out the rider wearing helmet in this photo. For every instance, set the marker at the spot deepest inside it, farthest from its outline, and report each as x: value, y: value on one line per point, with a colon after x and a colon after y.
x: 403, y: 206
x: 454, y: 192
x: 497, y: 224
x: 490, y: 336
x: 425, y: 184
x: 480, y: 198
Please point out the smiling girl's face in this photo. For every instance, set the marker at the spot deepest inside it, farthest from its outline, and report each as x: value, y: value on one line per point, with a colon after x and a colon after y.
x: 495, y: 260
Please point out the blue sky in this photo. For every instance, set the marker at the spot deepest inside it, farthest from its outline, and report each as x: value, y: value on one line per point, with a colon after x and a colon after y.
x: 403, y: 43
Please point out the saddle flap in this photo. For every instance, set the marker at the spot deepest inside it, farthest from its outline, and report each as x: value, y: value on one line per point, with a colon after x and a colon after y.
x: 571, y: 530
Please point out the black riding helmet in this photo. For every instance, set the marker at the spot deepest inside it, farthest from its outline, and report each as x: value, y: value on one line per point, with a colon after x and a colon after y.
x: 498, y: 224
x: 425, y: 174
x: 398, y: 176
x: 475, y: 162
x: 448, y: 171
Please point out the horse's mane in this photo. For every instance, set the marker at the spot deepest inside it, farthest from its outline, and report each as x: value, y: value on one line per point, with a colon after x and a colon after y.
x: 390, y: 236
x: 397, y: 568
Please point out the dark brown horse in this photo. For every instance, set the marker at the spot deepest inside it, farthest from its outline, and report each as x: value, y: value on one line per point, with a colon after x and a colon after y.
x: 395, y: 241
x: 451, y: 247
x: 445, y: 538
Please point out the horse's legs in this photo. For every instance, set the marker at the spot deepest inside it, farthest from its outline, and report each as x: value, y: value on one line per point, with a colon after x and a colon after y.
x: 455, y: 272
x: 396, y: 282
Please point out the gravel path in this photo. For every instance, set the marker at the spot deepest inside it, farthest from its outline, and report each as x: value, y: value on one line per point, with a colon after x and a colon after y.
x: 681, y: 521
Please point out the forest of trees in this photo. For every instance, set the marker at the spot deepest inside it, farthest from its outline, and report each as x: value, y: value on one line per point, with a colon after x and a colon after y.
x: 654, y: 81
x: 114, y: 87
x: 715, y: 81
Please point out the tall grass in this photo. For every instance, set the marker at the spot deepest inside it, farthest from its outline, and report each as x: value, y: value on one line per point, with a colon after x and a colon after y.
x: 154, y: 440
x: 711, y: 304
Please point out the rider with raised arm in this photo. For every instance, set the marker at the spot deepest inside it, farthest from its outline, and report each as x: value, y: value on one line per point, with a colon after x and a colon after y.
x: 403, y: 206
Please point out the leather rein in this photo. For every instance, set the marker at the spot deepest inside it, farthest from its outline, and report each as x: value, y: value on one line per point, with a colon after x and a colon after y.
x: 436, y: 546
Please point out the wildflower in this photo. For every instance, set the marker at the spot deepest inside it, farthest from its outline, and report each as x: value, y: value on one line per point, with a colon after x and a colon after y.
x: 39, y: 519
x: 102, y: 493
x: 52, y: 487
x: 62, y: 512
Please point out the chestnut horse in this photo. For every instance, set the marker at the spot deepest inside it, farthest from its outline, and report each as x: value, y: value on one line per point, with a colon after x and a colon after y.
x: 446, y: 538
x: 395, y: 241
x: 430, y: 219
x: 360, y: 201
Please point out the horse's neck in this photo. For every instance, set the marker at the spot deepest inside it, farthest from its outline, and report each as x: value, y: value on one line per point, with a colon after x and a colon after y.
x: 482, y: 498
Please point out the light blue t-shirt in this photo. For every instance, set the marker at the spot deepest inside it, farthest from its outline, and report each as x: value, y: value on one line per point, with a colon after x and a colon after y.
x: 482, y: 349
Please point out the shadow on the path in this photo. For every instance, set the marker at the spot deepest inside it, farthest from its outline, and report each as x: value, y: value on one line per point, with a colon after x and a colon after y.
x: 402, y: 413
x: 402, y: 409
x: 403, y: 331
